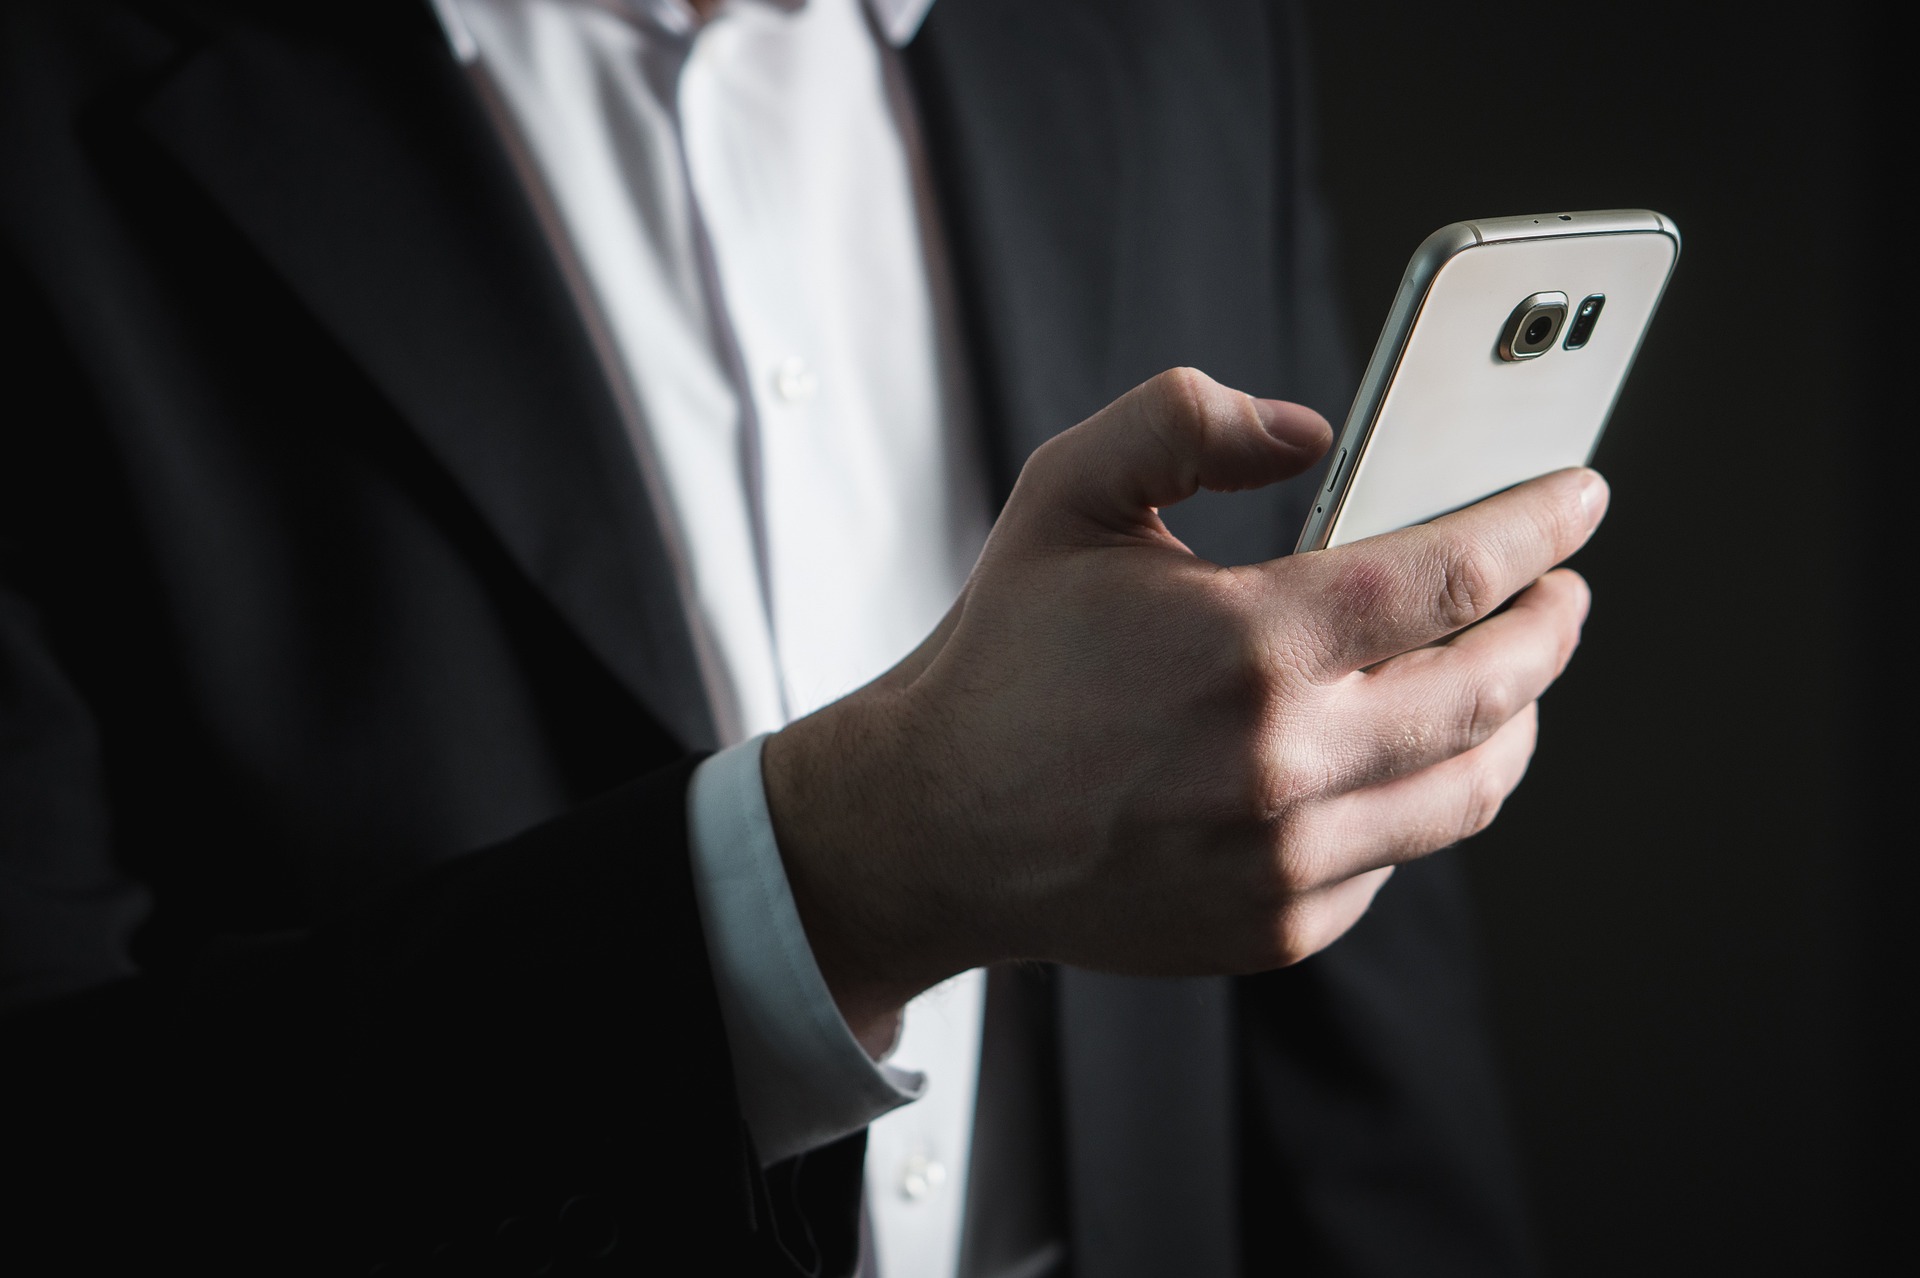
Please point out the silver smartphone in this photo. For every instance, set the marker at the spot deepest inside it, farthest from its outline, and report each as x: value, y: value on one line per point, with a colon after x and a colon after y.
x: 1500, y: 360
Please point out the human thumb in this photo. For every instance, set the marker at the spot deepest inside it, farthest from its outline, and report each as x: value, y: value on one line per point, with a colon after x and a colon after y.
x: 1160, y: 443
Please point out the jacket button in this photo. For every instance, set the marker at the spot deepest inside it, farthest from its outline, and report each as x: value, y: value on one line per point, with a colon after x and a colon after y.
x: 588, y: 1227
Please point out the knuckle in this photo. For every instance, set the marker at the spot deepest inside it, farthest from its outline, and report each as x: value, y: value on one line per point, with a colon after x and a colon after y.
x: 1260, y: 695
x: 1468, y: 578
x: 1250, y: 663
x: 1529, y: 718
x: 1297, y: 933
x: 1484, y: 797
x: 1570, y: 633
x: 1292, y: 946
x: 1299, y: 769
x: 1048, y: 460
x: 1247, y: 797
x: 1565, y: 521
x: 1180, y: 392
x: 1297, y: 861
x: 1244, y: 782
x: 1239, y: 678
x: 1493, y: 699
x: 1294, y: 877
x: 1295, y: 779
x: 1176, y: 403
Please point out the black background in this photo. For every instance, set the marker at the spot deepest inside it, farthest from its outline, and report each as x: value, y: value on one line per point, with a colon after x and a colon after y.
x: 1690, y: 906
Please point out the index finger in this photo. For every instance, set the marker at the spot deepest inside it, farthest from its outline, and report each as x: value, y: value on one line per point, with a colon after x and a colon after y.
x: 1374, y: 599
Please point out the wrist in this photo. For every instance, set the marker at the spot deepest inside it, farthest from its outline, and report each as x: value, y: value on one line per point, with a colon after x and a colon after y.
x: 851, y: 820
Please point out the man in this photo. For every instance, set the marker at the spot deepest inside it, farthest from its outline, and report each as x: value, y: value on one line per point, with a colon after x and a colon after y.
x: 362, y: 650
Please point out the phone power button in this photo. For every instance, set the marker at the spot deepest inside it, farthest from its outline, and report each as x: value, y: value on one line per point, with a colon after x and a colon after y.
x: 1333, y: 473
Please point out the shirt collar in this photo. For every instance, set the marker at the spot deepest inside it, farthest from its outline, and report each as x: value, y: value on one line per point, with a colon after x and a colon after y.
x: 897, y: 20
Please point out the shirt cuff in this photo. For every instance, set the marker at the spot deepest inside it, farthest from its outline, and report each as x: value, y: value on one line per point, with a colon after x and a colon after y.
x: 804, y: 1080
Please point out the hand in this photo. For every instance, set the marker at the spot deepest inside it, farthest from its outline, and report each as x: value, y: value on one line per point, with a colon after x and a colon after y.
x: 1115, y: 754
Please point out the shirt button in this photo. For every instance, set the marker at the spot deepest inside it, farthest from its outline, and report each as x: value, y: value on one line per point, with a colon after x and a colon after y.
x: 920, y: 1175
x: 794, y: 381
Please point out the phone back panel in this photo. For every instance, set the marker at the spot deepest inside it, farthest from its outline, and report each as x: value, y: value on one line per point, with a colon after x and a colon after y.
x: 1455, y: 422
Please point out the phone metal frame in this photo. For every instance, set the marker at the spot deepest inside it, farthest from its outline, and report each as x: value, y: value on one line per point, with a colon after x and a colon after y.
x: 1434, y: 253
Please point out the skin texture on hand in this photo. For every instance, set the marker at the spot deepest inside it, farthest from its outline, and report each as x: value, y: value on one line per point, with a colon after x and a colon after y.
x: 1115, y: 754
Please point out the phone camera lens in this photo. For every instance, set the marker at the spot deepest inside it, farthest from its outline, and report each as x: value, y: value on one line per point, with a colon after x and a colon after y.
x: 1531, y: 328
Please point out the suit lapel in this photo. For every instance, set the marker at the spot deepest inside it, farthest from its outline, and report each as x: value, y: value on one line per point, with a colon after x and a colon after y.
x: 347, y: 146
x: 1024, y: 110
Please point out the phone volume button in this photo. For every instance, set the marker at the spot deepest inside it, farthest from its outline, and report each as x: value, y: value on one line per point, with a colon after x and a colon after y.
x: 1333, y: 474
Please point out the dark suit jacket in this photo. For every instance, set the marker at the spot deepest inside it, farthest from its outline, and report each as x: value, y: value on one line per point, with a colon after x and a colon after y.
x: 346, y: 712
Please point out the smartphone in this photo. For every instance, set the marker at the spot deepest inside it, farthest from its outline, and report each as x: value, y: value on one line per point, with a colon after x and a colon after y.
x: 1500, y: 360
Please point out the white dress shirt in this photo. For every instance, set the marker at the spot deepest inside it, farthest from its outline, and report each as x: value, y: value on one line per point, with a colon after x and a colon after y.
x: 743, y: 213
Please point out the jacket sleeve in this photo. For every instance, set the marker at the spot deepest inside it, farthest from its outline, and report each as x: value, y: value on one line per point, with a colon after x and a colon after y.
x: 512, y: 1057
x: 516, y: 1056
x: 475, y: 1059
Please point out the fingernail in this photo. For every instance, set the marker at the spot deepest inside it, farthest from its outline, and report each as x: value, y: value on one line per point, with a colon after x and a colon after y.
x: 1291, y: 424
x: 1594, y: 494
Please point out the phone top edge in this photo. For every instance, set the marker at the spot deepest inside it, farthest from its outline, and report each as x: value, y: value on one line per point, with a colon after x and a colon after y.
x: 1493, y: 230
x: 1440, y: 247
x: 1672, y: 230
